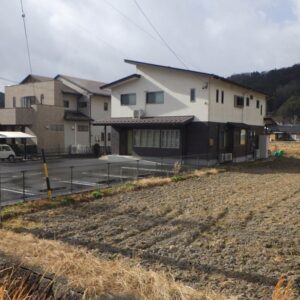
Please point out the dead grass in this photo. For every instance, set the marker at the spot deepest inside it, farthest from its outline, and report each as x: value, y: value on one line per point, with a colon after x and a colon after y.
x: 14, y: 211
x: 18, y: 223
x: 284, y: 290
x: 14, y: 289
x: 96, y: 277
x: 290, y: 148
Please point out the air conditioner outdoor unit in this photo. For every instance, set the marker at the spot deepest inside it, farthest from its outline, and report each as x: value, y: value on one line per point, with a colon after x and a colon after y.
x: 227, y: 156
x: 138, y: 113
x: 223, y: 157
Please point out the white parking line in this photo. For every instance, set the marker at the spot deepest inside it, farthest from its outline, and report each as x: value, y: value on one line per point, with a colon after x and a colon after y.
x: 17, y: 191
x: 104, y: 175
x: 77, y: 182
x: 31, y: 174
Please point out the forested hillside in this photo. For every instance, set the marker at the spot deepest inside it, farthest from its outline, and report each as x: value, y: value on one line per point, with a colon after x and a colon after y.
x: 283, y: 86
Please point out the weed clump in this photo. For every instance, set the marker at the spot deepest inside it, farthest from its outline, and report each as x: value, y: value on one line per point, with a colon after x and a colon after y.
x: 97, y: 194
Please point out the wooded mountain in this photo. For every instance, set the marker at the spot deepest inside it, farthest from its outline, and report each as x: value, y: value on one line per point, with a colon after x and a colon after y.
x: 283, y: 87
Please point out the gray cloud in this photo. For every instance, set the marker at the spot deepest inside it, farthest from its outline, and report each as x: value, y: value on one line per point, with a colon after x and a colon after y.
x: 90, y: 39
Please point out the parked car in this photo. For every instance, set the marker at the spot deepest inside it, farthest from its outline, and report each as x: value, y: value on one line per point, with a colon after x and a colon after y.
x: 6, y: 152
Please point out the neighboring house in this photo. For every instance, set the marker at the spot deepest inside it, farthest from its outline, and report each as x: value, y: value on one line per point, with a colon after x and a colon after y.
x: 171, y: 112
x: 2, y: 102
x: 284, y: 132
x: 57, y: 111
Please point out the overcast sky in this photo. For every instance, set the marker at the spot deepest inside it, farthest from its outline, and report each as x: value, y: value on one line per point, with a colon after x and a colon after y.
x: 91, y: 38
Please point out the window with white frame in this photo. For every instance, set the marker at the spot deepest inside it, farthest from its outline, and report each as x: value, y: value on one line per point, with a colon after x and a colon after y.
x: 83, y: 128
x: 193, y: 95
x: 243, y: 137
x: 26, y: 102
x: 239, y: 101
x: 56, y: 127
x: 155, y: 97
x: 82, y: 104
x: 148, y: 138
x: 170, y: 138
x: 128, y: 99
x: 66, y: 103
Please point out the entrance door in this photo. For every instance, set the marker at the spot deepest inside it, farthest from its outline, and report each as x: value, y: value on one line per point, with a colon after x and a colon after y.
x: 129, y: 142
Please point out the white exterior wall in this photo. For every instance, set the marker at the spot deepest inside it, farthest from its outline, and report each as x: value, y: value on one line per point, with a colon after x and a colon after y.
x: 72, y: 101
x: 75, y: 137
x: 98, y: 113
x: 226, y: 112
x: 176, y: 86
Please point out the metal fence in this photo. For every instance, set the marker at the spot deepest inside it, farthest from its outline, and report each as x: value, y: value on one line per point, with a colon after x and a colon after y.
x: 31, y: 184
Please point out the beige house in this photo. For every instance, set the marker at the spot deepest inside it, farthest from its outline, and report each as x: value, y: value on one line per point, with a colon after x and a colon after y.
x: 59, y: 111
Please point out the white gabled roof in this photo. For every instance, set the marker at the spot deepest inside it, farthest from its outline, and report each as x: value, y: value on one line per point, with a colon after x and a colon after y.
x: 15, y: 135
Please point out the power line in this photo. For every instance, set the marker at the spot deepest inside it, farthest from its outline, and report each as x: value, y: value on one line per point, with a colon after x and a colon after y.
x: 8, y: 80
x: 160, y: 36
x: 26, y: 36
x: 129, y: 19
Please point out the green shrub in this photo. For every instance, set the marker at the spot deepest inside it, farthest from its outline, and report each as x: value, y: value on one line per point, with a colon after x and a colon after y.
x: 97, y: 194
x: 67, y: 201
x: 177, y: 178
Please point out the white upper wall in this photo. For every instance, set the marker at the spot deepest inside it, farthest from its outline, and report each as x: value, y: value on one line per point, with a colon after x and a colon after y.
x: 227, y: 112
x: 176, y: 86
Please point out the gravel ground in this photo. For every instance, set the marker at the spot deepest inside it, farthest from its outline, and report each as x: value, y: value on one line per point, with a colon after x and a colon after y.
x: 235, y: 233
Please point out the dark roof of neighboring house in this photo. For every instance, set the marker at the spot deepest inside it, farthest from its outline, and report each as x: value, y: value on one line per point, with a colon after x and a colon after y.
x: 134, y: 62
x: 122, y: 80
x: 35, y: 78
x: 238, y: 125
x: 68, y: 90
x: 168, y: 120
x: 292, y: 129
x: 269, y: 121
x: 73, y: 115
x: 90, y: 86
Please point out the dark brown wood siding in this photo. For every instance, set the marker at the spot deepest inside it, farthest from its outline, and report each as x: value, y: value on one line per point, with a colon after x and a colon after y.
x: 200, y: 139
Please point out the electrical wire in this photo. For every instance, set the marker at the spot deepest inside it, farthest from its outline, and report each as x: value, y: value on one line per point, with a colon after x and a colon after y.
x: 129, y: 19
x: 160, y: 36
x: 8, y: 80
x: 26, y: 37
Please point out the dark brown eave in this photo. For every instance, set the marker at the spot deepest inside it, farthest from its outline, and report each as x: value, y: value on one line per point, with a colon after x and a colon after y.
x: 121, y: 81
x: 238, y: 125
x: 71, y: 115
x: 146, y: 121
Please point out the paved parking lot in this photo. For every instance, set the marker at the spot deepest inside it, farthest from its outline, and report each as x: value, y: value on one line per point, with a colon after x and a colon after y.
x: 22, y: 180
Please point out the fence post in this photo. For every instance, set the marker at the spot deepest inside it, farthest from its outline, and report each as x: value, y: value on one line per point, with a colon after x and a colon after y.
x: 49, y: 192
x: 23, y: 184
x: 108, y: 173
x: 137, y: 169
x: 0, y: 200
x: 71, y: 178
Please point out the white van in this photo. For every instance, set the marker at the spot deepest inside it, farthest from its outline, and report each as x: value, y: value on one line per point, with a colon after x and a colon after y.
x: 6, y: 152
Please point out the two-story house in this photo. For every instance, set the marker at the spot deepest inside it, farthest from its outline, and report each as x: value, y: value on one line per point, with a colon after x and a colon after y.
x: 171, y: 112
x: 58, y: 111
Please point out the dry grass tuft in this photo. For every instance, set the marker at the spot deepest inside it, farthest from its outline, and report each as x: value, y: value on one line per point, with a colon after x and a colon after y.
x: 14, y: 289
x: 285, y: 289
x: 97, y: 277
x: 18, y: 223
x: 153, y: 181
